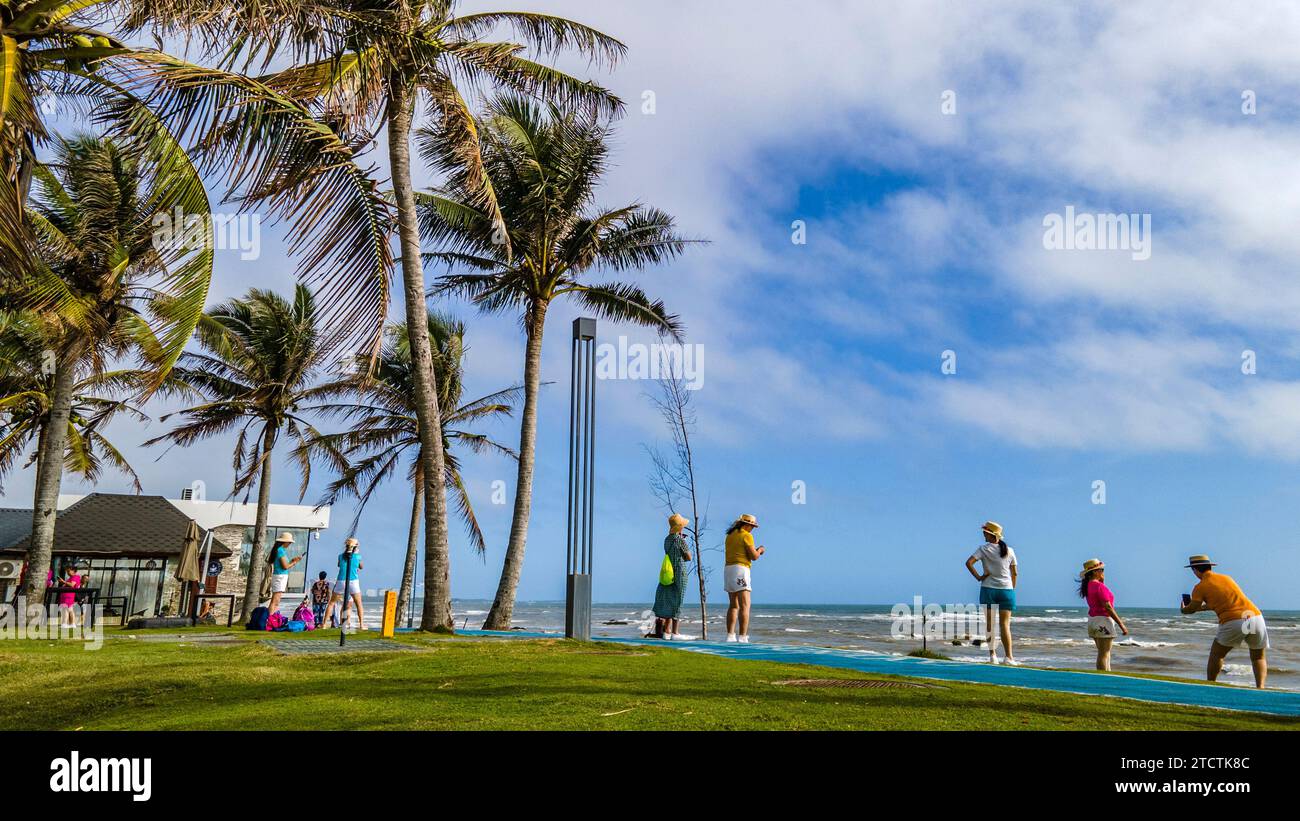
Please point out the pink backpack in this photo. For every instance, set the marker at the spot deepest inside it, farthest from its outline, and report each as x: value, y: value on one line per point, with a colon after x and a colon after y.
x: 275, y: 621
x: 304, y: 615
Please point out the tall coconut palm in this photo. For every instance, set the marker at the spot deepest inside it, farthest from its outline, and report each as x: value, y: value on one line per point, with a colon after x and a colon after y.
x: 25, y: 382
x: 104, y: 288
x: 57, y: 60
x: 544, y: 165
x: 363, y: 61
x: 384, y: 431
x: 260, y: 356
x: 45, y: 46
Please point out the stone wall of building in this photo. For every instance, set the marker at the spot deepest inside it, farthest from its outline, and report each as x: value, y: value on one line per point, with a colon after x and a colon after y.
x: 231, y: 581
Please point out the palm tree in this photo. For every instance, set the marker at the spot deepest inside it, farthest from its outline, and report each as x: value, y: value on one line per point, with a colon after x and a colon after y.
x: 55, y: 61
x: 255, y: 372
x: 25, y: 384
x: 544, y: 164
x: 384, y: 428
x: 45, y: 46
x: 358, y: 61
x: 104, y: 289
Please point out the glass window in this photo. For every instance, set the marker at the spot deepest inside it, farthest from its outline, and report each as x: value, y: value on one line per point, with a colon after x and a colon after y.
x: 137, y: 581
x: 301, y: 547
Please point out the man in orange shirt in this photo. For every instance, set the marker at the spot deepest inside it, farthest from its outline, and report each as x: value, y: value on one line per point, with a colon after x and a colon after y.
x: 1239, y: 619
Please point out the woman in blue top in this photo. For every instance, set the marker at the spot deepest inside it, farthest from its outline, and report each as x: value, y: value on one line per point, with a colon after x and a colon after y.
x: 281, y: 564
x: 348, y: 582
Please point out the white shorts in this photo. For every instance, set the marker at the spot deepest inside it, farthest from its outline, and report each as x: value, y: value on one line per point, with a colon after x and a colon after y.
x: 279, y: 582
x: 1253, y: 631
x: 354, y: 587
x: 735, y: 578
x: 1102, y: 627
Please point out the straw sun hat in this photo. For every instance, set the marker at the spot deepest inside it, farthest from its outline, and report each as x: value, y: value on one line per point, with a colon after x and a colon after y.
x: 284, y: 537
x: 678, y: 520
x: 994, y: 528
x: 746, y: 519
x: 1091, y: 565
x: 1200, y: 558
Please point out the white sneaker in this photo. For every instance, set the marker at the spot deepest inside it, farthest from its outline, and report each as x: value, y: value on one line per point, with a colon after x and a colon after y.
x: 1012, y: 662
x: 744, y: 639
x: 731, y: 638
x: 993, y: 659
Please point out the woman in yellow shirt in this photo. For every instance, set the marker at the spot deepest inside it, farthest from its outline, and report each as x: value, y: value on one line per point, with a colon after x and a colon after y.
x: 741, y: 553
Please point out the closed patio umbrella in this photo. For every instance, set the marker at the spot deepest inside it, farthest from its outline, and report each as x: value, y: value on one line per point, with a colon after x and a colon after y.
x: 187, y: 569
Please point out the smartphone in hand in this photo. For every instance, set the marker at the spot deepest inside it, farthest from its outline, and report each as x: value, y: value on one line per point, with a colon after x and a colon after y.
x: 1187, y: 599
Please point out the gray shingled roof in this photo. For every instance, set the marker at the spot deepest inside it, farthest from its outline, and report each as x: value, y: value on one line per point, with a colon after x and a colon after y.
x: 116, y: 524
x: 15, y: 523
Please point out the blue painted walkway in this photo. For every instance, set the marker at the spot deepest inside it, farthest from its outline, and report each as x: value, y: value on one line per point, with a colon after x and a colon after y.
x: 1277, y: 702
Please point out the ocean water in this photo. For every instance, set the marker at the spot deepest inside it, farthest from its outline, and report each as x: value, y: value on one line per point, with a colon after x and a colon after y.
x: 1160, y: 640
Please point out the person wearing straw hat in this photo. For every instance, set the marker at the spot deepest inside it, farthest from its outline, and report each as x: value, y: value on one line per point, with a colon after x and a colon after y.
x: 997, y: 587
x: 1103, y: 621
x: 668, y: 597
x: 348, y: 582
x: 281, y: 564
x: 1240, y: 621
x: 741, y: 553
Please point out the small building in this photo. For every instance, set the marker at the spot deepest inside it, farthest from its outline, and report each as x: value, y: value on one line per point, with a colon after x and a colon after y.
x: 131, y: 544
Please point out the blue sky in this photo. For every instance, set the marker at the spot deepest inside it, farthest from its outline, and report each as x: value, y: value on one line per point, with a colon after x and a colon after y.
x: 924, y: 235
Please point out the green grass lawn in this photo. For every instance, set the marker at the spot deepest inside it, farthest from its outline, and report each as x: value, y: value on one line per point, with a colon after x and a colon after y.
x: 185, y: 682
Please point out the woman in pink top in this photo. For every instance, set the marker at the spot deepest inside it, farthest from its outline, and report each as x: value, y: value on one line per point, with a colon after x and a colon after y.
x: 73, y: 579
x: 1102, y: 618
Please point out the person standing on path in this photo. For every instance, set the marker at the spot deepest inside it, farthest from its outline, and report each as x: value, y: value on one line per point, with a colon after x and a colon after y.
x: 1103, y: 621
x: 1240, y: 621
x: 741, y: 554
x: 997, y: 587
x: 668, y: 597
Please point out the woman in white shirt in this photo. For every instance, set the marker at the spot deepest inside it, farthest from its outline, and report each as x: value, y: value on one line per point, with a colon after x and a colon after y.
x: 997, y: 586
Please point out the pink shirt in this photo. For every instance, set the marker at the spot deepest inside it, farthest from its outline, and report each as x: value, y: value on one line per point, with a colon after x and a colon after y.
x: 1099, y: 596
x: 70, y: 599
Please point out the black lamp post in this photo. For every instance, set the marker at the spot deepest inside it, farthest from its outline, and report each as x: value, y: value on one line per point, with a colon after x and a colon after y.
x: 582, y: 474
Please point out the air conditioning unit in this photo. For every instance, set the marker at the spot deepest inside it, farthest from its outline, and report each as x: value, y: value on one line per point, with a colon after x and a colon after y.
x: 10, y: 568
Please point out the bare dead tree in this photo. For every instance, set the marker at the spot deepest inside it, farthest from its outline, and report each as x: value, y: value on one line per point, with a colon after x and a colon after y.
x: 673, y: 477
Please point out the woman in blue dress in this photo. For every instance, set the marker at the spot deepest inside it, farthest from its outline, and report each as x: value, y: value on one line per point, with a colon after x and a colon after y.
x: 668, y: 597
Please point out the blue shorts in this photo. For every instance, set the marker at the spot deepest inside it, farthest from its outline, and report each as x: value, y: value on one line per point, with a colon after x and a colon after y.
x: 1004, y: 598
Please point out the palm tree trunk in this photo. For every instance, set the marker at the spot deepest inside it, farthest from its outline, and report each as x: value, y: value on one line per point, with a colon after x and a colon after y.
x: 49, y: 478
x: 257, y: 557
x: 437, y: 560
x: 503, y: 606
x: 412, y: 552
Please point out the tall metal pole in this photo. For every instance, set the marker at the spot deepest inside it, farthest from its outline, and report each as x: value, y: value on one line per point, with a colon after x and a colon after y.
x: 582, y: 492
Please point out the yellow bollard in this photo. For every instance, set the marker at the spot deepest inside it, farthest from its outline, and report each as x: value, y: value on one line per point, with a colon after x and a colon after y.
x: 390, y: 614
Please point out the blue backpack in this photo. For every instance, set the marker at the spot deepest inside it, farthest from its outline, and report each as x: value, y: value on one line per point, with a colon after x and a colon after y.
x: 257, y: 621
